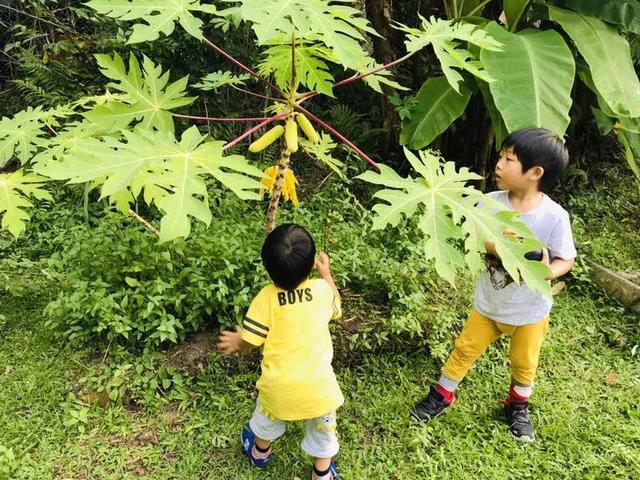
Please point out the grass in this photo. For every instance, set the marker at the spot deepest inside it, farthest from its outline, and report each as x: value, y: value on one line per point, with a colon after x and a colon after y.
x: 586, y: 409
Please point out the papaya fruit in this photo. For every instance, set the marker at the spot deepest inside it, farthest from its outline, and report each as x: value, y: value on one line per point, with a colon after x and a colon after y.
x: 291, y: 135
x: 307, y: 128
x: 267, y: 139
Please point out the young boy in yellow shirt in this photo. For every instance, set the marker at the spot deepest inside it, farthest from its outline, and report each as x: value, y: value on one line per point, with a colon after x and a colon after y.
x: 290, y: 318
x: 531, y: 161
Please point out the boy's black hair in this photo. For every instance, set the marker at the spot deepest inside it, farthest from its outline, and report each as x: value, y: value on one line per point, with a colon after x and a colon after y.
x: 539, y: 147
x: 288, y: 254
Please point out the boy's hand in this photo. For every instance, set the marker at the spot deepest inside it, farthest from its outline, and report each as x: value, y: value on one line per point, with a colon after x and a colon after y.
x: 230, y: 342
x: 322, y: 265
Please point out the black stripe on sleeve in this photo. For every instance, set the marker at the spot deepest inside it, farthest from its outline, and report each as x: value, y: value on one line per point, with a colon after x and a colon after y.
x: 256, y: 324
x: 255, y: 332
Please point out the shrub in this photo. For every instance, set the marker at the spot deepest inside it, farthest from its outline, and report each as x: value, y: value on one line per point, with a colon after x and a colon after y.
x: 118, y: 284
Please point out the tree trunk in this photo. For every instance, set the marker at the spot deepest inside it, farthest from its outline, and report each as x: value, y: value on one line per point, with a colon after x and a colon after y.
x: 272, y: 211
x: 380, y: 14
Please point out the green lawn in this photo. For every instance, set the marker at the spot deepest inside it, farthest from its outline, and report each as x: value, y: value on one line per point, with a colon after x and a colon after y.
x: 586, y: 408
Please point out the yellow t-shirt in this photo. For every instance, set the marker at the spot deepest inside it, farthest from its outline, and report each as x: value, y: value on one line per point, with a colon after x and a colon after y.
x: 297, y: 379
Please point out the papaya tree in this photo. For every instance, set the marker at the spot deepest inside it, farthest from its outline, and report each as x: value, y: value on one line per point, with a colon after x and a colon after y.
x: 125, y: 142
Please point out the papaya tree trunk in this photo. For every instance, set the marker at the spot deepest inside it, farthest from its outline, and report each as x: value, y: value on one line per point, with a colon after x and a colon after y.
x: 380, y: 13
x: 272, y: 211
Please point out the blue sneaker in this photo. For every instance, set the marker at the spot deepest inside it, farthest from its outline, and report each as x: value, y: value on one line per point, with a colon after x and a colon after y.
x: 248, y: 441
x: 333, y: 470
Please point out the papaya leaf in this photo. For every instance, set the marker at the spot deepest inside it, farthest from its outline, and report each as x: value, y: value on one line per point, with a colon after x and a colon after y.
x: 169, y: 172
x: 215, y: 80
x: 444, y: 36
x: 339, y: 27
x: 534, y: 76
x: 149, y: 96
x: 437, y: 106
x: 609, y: 57
x: 321, y: 151
x: 21, y: 134
x: 160, y: 16
x: 448, y: 212
x: 376, y: 80
x: 311, y: 69
x: 15, y: 190
x: 67, y: 142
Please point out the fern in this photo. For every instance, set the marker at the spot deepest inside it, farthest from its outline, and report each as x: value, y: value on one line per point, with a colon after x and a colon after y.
x: 346, y: 120
x: 35, y: 94
x: 40, y: 83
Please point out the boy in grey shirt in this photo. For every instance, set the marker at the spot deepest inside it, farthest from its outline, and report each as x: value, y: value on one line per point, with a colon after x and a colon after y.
x: 531, y: 160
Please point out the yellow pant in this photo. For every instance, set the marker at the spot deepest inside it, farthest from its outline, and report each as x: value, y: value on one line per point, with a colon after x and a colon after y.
x: 479, y: 332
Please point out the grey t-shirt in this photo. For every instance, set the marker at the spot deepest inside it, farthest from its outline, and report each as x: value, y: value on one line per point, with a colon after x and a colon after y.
x: 501, y: 299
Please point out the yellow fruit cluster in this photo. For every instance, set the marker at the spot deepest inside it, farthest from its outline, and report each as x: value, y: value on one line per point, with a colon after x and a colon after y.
x: 290, y: 131
x: 288, y: 186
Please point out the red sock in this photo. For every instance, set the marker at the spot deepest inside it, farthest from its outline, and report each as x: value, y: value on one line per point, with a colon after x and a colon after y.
x: 515, y: 396
x: 447, y: 394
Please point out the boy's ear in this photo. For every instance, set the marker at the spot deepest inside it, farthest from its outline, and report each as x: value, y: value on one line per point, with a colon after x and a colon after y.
x: 535, y: 173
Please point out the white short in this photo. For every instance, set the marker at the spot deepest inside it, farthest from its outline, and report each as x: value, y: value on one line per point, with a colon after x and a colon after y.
x: 320, y: 439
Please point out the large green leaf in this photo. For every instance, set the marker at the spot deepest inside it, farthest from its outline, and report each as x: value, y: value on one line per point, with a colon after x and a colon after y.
x: 534, y: 75
x: 15, y: 190
x: 333, y: 23
x: 627, y: 129
x: 169, y: 172
x: 21, y: 134
x: 437, y: 106
x: 448, y: 213
x: 513, y: 10
x: 625, y: 13
x: 160, y: 16
x: 609, y: 58
x: 444, y: 36
x: 148, y: 95
x: 311, y: 69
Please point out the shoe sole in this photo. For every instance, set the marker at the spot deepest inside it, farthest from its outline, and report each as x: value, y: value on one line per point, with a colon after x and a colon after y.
x: 524, y: 438
x: 414, y: 416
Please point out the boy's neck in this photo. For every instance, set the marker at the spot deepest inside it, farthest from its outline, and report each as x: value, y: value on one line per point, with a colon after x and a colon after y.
x: 525, y: 200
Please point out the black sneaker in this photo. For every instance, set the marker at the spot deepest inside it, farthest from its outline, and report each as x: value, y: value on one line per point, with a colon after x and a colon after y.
x: 517, y: 416
x: 430, y: 406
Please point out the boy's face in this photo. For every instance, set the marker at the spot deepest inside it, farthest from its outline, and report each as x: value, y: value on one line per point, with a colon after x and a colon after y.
x: 510, y: 175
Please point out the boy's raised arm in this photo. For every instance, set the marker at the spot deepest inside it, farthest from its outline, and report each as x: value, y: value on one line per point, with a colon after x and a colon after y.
x: 322, y: 265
